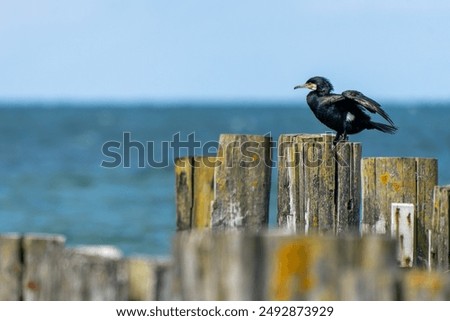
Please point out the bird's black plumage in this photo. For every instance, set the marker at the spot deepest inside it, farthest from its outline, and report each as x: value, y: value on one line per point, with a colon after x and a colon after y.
x: 344, y: 113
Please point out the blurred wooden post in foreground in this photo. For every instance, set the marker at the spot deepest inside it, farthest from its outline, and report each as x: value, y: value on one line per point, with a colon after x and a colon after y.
x: 10, y: 267
x: 370, y: 270
x: 388, y: 180
x: 41, y: 279
x: 148, y: 278
x: 242, y: 182
x: 440, y: 230
x: 318, y: 185
x: 215, y: 265
x: 420, y: 285
x: 94, y: 273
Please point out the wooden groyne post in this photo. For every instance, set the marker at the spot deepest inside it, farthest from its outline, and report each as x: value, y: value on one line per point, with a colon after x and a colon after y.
x: 194, y: 191
x: 42, y: 273
x: 10, y: 267
x: 242, y: 182
x: 227, y: 191
x: 318, y: 184
x: 150, y: 278
x: 93, y: 273
x: 387, y: 180
x: 439, y: 234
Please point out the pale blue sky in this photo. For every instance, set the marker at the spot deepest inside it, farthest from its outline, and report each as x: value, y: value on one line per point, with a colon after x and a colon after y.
x: 214, y: 50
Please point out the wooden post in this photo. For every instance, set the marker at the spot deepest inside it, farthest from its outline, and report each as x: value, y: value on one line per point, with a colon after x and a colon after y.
x: 146, y: 278
x: 96, y: 273
x: 42, y: 266
x: 288, y: 184
x: 388, y: 180
x: 417, y: 285
x: 439, y: 233
x: 214, y: 265
x: 318, y: 185
x: 191, y: 254
x: 242, y: 182
x: 402, y: 230
x: 299, y: 267
x: 10, y: 267
x: 184, y: 192
x: 195, y: 191
x: 367, y: 268
x: 427, y: 179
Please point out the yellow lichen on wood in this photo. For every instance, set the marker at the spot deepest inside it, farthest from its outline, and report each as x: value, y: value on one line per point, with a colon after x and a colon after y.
x: 384, y: 178
x: 424, y: 285
x: 203, y: 192
x: 293, y: 273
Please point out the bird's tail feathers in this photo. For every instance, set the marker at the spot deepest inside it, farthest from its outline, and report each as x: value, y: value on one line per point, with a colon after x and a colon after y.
x: 390, y: 129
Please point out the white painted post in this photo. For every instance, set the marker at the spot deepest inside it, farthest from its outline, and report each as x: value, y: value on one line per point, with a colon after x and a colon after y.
x: 402, y: 229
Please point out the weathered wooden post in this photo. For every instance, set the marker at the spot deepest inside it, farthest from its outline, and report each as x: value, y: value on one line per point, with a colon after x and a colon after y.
x: 299, y: 267
x: 242, y: 182
x: 194, y: 191
x: 184, y: 192
x: 42, y: 254
x: 367, y: 268
x: 388, y: 180
x: 146, y: 277
x: 190, y: 253
x: 214, y: 265
x: 10, y: 267
x: 318, y: 185
x: 419, y: 285
x: 440, y: 230
x: 95, y: 273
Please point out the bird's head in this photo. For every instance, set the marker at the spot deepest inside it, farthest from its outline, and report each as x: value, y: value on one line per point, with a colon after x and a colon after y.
x: 320, y: 84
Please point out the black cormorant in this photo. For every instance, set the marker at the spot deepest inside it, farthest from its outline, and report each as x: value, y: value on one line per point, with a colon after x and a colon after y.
x: 344, y: 113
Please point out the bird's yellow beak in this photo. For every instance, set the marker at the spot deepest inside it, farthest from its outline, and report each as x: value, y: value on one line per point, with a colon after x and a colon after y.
x: 308, y: 85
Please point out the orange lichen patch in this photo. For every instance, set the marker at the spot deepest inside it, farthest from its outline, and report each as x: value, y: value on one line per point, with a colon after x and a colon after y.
x: 396, y: 186
x: 254, y: 183
x: 384, y: 178
x: 425, y: 281
x: 292, y: 275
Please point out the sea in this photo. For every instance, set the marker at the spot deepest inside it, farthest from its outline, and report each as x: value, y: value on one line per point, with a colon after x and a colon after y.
x: 103, y: 173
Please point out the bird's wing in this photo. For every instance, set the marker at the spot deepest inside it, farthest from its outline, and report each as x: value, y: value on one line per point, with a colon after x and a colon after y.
x: 369, y: 104
x: 331, y: 99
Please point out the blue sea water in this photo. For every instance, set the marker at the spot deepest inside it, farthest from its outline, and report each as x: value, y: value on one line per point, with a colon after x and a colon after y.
x: 52, y: 181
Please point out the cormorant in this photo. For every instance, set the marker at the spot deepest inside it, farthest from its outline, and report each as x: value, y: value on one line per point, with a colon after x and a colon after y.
x: 344, y: 113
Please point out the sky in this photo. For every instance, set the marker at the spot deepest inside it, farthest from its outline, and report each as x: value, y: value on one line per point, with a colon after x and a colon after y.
x: 222, y: 50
